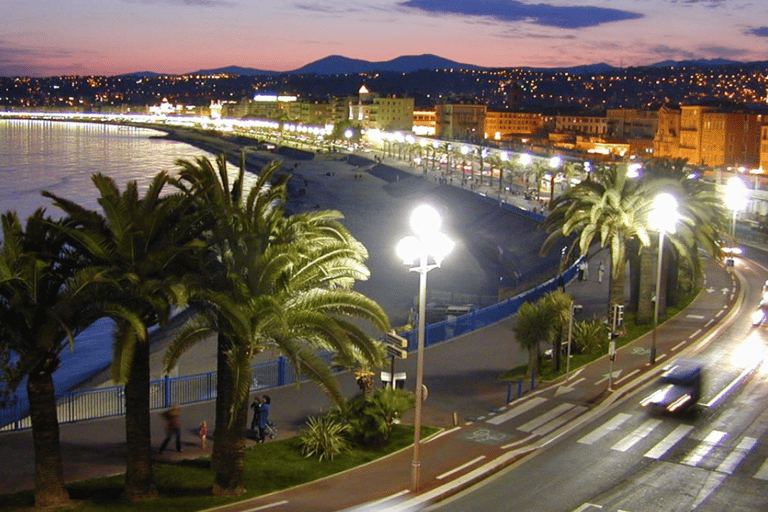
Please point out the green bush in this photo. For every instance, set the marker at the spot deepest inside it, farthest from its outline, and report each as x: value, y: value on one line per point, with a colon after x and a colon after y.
x: 591, y: 337
x: 371, y: 418
x: 323, y: 436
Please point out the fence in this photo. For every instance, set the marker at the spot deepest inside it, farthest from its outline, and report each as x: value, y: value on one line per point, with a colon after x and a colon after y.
x: 110, y: 401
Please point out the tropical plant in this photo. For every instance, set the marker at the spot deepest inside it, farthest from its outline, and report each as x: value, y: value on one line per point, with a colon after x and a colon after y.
x: 324, y: 437
x: 271, y: 282
x: 610, y: 207
x: 145, y: 244
x: 372, y: 417
x: 532, y: 326
x: 48, y: 295
x: 558, y: 305
x: 591, y: 336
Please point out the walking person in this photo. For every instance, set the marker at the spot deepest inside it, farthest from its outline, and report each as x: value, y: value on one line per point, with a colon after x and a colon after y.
x: 600, y: 272
x: 256, y: 406
x: 202, y: 432
x: 586, y: 270
x: 172, y: 427
x: 263, y: 417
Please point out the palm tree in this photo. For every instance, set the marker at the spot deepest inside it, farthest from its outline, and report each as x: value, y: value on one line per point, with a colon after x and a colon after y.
x: 281, y: 284
x: 144, y: 243
x: 533, y: 325
x: 703, y: 221
x: 611, y: 207
x: 46, y: 299
x: 558, y: 306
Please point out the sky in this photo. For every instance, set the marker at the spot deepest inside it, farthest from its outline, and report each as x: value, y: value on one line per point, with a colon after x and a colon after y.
x: 111, y: 37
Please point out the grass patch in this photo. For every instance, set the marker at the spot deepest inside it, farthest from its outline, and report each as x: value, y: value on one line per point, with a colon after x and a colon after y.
x: 186, y: 485
x: 632, y: 332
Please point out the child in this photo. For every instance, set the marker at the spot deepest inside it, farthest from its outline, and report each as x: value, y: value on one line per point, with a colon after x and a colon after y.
x: 203, y: 433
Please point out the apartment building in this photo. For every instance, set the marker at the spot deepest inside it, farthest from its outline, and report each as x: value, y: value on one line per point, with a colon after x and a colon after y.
x: 424, y: 122
x: 632, y: 123
x: 709, y: 136
x: 386, y: 113
x: 583, y: 125
x: 460, y: 122
x: 764, y: 147
x: 501, y: 126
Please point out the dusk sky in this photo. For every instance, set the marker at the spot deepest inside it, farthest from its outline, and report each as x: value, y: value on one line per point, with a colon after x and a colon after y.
x: 110, y: 37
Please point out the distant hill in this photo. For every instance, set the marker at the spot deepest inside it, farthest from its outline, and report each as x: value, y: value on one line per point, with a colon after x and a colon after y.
x: 695, y: 63
x: 339, y: 65
x: 234, y: 70
x: 141, y: 74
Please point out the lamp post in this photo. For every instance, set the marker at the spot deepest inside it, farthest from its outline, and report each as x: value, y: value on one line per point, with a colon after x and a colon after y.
x: 428, y: 241
x: 662, y: 218
x: 735, y: 199
x: 575, y: 308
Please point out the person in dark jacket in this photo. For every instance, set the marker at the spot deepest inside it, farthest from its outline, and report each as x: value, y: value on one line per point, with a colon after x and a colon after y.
x: 255, y: 405
x: 263, y: 417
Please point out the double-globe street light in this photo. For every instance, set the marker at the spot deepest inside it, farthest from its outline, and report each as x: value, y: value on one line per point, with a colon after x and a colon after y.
x: 662, y: 218
x: 426, y: 242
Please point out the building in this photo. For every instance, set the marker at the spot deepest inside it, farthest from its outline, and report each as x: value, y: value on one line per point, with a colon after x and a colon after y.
x: 386, y: 113
x: 764, y: 147
x: 504, y: 126
x: 711, y: 136
x: 582, y: 125
x: 632, y: 123
x: 424, y: 122
x: 460, y: 122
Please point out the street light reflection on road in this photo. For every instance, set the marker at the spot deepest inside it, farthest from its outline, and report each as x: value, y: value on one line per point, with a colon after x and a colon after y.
x: 427, y: 242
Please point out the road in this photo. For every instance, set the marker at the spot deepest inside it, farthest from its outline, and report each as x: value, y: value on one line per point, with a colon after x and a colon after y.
x: 627, y: 460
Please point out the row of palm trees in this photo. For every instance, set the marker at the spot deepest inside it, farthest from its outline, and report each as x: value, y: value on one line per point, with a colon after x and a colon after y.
x: 250, y: 274
x: 611, y: 209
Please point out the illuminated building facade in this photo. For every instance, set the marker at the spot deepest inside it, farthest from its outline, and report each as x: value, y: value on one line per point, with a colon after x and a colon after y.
x: 764, y: 147
x: 460, y: 122
x: 582, y: 125
x: 510, y: 125
x: 386, y: 113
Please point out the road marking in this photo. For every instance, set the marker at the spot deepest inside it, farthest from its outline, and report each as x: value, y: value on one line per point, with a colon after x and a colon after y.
x: 733, y: 460
x: 617, y: 382
x: 674, y: 349
x: 546, y: 417
x: 607, y: 375
x: 517, y: 411
x: 704, y: 447
x: 696, y: 317
x: 586, y: 506
x: 559, y: 421
x: 695, y: 334
x: 441, y: 434
x: 668, y: 442
x: 713, y: 482
x: 463, y: 466
x: 604, y: 429
x: 637, y: 435
x: 711, y: 321
x: 762, y: 473
x: 264, y: 507
x: 734, y: 383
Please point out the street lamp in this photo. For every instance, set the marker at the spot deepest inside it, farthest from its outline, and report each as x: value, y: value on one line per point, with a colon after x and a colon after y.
x: 428, y: 241
x: 735, y: 199
x: 662, y: 218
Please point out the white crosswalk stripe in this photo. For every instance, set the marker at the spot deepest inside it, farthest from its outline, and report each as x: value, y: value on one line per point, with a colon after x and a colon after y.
x: 738, y: 454
x: 605, y: 428
x: 704, y: 447
x: 668, y: 442
x: 637, y: 435
x: 545, y: 418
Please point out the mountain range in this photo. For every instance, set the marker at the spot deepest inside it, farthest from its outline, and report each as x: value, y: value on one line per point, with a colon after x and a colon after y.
x: 339, y: 65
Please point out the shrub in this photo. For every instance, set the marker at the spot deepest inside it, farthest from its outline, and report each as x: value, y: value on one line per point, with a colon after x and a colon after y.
x: 371, y: 418
x: 591, y: 336
x: 323, y: 436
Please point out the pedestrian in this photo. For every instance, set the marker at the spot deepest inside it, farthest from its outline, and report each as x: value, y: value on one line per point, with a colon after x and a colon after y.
x: 202, y: 432
x: 255, y: 405
x: 600, y: 272
x: 580, y: 268
x: 586, y: 270
x: 264, y: 417
x: 172, y: 427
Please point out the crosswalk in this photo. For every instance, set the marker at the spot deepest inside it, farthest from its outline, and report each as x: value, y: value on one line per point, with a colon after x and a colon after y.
x: 655, y: 438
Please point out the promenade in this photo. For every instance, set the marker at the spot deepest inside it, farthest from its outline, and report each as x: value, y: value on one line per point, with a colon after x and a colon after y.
x: 481, y: 433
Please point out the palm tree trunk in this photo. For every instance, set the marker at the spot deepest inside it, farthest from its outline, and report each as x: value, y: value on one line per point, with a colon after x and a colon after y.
x: 228, y: 455
x: 616, y: 287
x: 138, y: 436
x: 647, y: 284
x: 49, y: 471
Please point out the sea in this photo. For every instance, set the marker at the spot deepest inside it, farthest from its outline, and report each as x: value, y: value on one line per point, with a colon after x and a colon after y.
x: 62, y: 157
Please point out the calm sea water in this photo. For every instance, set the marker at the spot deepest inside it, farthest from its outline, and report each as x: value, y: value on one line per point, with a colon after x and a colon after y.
x: 61, y: 158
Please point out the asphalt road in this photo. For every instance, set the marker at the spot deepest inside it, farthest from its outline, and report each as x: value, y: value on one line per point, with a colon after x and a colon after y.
x: 628, y: 460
